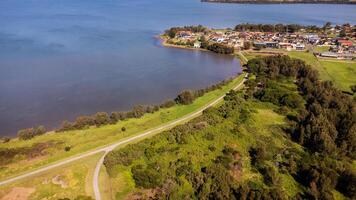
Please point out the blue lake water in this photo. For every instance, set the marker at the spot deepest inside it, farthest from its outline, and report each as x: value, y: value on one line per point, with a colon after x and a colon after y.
x: 61, y: 59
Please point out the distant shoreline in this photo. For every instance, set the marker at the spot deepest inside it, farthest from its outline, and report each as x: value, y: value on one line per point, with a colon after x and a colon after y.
x: 166, y: 44
x: 353, y: 2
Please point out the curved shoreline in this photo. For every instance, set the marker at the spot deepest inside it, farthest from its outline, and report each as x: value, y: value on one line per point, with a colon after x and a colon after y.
x: 165, y: 44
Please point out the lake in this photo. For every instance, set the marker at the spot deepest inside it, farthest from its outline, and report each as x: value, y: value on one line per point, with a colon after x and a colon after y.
x: 61, y: 59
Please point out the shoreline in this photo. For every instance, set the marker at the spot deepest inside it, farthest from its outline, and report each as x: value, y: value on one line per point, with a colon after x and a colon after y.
x: 165, y: 44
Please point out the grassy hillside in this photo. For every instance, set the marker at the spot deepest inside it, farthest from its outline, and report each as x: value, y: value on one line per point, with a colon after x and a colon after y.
x: 18, y: 156
x: 200, y: 148
x: 267, y: 142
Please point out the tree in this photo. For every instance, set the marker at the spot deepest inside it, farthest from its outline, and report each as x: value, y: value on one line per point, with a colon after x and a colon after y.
x: 83, y: 122
x: 327, y: 25
x: 137, y: 111
x: 204, y: 42
x: 168, y: 104
x: 66, y: 126
x: 101, y: 118
x: 220, y: 48
x: 342, y: 33
x: 29, y: 133
x: 146, y: 177
x: 247, y: 45
x: 185, y: 98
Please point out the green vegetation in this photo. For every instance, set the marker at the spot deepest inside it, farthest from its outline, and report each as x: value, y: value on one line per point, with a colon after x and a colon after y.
x: 17, y: 157
x: 321, y: 49
x: 29, y: 133
x: 340, y: 72
x: 343, y: 73
x: 220, y: 48
x: 281, y: 28
x: 288, y: 136
x: 171, y: 34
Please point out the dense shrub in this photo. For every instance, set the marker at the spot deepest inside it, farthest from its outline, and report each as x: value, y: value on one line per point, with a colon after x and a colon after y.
x: 220, y: 48
x: 174, y: 30
x: 185, y: 98
x: 29, y: 133
x: 146, y: 177
x: 101, y: 118
x: 291, y: 28
x: 168, y: 104
x: 325, y: 123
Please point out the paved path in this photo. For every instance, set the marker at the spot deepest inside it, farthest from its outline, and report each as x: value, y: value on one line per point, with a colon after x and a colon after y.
x: 169, y: 125
x: 111, y: 147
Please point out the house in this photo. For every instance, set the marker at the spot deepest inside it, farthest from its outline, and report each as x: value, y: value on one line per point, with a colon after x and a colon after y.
x: 184, y: 34
x: 273, y: 45
x: 344, y: 43
x: 329, y: 54
x: 312, y: 38
x: 259, y: 45
x: 298, y: 46
x: 285, y: 45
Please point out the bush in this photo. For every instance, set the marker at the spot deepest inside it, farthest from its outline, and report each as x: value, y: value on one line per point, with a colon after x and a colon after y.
x: 101, y: 118
x: 67, y: 148
x: 146, y: 177
x: 185, y: 98
x: 83, y: 122
x: 168, y: 104
x: 220, y: 48
x: 29, y: 133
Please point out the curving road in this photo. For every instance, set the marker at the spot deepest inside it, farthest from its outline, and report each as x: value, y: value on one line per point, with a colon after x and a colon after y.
x: 113, y: 146
x: 166, y: 126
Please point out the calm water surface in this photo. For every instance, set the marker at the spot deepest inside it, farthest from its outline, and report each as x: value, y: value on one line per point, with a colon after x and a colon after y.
x: 61, y: 59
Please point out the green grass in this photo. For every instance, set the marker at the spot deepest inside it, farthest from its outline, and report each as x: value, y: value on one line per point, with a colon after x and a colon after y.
x: 321, y: 49
x: 264, y: 126
x: 77, y: 175
x: 341, y: 73
x: 89, y: 139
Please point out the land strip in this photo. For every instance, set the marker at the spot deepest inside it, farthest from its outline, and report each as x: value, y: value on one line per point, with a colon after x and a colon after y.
x: 121, y: 142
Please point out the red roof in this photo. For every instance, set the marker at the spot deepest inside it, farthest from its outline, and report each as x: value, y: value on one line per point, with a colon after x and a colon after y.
x: 345, y: 42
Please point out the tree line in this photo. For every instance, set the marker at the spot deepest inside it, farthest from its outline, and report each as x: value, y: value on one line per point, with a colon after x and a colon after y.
x: 103, y: 118
x: 174, y: 30
x: 282, y: 28
x: 325, y: 123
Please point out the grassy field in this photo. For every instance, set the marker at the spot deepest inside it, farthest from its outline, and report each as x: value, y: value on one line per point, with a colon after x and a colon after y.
x: 321, y: 49
x: 84, y: 140
x: 341, y: 73
x: 67, y: 181
x: 264, y: 126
